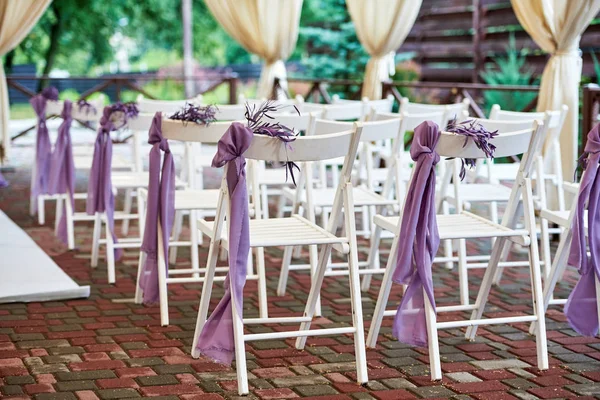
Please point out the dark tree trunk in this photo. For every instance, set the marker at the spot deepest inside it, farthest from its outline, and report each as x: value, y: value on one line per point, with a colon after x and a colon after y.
x: 55, y: 32
x: 9, y: 61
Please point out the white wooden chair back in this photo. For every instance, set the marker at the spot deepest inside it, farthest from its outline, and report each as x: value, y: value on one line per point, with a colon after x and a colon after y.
x: 553, y: 120
x: 382, y: 105
x: 458, y: 110
x: 167, y: 107
x: 83, y: 114
x: 230, y: 112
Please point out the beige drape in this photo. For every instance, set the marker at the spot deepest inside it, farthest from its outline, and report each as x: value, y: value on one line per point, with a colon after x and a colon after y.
x: 556, y: 26
x: 267, y: 28
x: 381, y: 27
x: 17, y: 18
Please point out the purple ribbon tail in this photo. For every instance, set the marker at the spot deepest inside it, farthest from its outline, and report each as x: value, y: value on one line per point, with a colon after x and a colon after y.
x: 419, y: 240
x: 62, y: 167
x: 43, y: 150
x: 160, y: 207
x: 3, y: 182
x: 100, y: 198
x: 581, y: 309
x: 216, y: 339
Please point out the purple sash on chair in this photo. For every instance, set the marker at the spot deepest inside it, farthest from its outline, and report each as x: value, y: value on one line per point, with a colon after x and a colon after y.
x: 3, y: 181
x: 216, y: 339
x: 419, y: 239
x: 43, y: 147
x: 100, y: 197
x: 581, y: 308
x: 61, y: 178
x: 160, y: 207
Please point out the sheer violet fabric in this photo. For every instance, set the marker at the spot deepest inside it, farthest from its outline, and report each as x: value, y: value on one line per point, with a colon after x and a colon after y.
x: 62, y: 166
x: 267, y: 28
x: 3, y: 181
x: 160, y: 207
x: 581, y: 308
x: 556, y: 26
x: 381, y: 27
x: 43, y: 150
x: 17, y: 18
x: 216, y: 339
x: 419, y: 239
x: 100, y: 198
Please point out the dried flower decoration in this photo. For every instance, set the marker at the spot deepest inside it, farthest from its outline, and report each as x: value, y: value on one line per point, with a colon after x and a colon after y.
x: 197, y: 114
x: 50, y: 93
x: 475, y: 131
x: 123, y: 113
x: 258, y: 121
x: 85, y: 106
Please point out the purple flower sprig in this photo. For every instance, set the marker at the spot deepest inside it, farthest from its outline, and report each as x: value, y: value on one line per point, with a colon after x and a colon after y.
x: 197, y: 114
x: 85, y: 106
x: 475, y: 131
x: 50, y: 93
x: 258, y: 121
x: 127, y: 111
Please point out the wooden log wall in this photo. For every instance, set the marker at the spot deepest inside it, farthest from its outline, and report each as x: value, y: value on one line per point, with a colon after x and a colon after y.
x: 445, y: 41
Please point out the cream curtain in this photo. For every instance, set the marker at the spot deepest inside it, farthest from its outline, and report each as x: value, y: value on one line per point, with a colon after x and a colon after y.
x: 381, y: 27
x: 267, y: 28
x: 556, y: 26
x: 17, y: 18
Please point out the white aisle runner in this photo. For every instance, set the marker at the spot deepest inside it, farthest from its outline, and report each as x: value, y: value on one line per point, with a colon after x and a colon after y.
x: 27, y: 273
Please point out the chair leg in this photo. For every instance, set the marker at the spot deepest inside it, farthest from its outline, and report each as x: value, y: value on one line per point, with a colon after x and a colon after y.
x: 366, y: 224
x: 138, y: 291
x: 281, y: 205
x: 141, y: 207
x: 432, y: 335
x: 96, y: 239
x: 447, y: 243
x: 59, y: 212
x: 41, y: 206
x: 545, y: 244
x: 70, y: 222
x: 384, y: 294
x: 162, y: 280
x: 373, y: 257
x: 315, y: 289
x: 110, y: 254
x: 209, y: 275
x: 127, y: 210
x: 538, y: 306
x: 284, y: 273
x: 194, y: 242
x: 262, y: 283
x: 240, y: 352
x: 176, y: 233
x: 463, y: 275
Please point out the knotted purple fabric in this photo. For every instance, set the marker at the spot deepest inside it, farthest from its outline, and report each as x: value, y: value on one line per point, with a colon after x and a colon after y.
x: 61, y: 179
x: 43, y: 150
x: 3, y: 181
x: 160, y: 207
x: 419, y: 239
x: 581, y: 308
x: 100, y: 197
x: 216, y: 339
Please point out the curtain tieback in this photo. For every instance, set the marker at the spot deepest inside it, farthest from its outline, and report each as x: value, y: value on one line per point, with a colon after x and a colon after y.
x: 568, y: 53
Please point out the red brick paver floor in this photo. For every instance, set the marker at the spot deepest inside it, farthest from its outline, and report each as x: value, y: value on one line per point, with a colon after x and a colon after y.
x: 103, y: 348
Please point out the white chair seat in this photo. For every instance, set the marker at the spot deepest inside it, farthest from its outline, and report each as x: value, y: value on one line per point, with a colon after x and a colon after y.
x: 290, y: 231
x: 379, y: 175
x: 196, y: 199
x: 84, y: 162
x: 131, y: 180
x: 324, y: 197
x: 461, y: 226
x: 561, y: 218
x: 481, y: 192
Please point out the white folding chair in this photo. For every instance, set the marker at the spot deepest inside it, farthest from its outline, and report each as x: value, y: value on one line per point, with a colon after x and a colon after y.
x: 322, y: 199
x: 151, y: 106
x: 192, y: 201
x: 465, y: 225
x: 291, y: 231
x: 458, y: 110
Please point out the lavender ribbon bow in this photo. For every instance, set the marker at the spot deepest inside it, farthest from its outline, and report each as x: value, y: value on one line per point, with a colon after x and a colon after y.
x: 419, y: 239
x: 581, y: 308
x: 61, y: 178
x: 100, y: 197
x: 160, y: 207
x: 216, y: 339
x: 43, y: 149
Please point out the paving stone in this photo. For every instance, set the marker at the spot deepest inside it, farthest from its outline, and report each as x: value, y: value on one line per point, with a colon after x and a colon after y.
x: 157, y: 380
x: 315, y: 390
x: 585, y: 389
x: 432, y: 391
x: 463, y: 377
x: 55, y: 396
x: 108, y: 394
x: 499, y: 364
x: 85, y: 375
x: 294, y: 381
x: 398, y: 383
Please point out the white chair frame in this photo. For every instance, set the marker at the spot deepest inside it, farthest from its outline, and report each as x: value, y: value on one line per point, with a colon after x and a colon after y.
x: 527, y: 142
